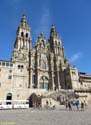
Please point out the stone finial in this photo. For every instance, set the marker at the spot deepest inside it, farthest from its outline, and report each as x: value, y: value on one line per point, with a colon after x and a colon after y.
x: 23, y: 19
x: 24, y: 22
x: 42, y: 34
x: 53, y: 26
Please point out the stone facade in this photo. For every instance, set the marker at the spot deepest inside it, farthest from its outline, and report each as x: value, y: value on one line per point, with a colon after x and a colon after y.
x: 42, y: 65
x: 37, y: 69
x: 85, y: 81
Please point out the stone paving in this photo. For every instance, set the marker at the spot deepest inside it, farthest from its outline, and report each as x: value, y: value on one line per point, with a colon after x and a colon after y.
x: 45, y: 117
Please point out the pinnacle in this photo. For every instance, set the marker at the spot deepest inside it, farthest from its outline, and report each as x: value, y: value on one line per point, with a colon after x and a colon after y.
x: 53, y: 26
x: 42, y: 34
x: 24, y: 22
x: 23, y: 19
x: 53, y: 31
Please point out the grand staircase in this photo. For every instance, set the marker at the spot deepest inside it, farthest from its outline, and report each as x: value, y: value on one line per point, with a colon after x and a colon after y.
x: 58, y: 97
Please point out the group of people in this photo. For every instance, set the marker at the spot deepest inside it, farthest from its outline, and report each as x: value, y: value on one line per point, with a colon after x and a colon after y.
x: 49, y: 105
x: 69, y: 104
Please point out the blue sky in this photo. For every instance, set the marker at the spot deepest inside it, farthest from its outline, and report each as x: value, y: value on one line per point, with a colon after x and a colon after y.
x: 72, y: 19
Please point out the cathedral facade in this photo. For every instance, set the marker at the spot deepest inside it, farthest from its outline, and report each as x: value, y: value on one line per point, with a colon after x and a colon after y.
x: 45, y: 62
x: 37, y: 69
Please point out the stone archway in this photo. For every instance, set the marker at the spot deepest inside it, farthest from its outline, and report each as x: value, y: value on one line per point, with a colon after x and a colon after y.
x: 44, y: 82
x: 34, y: 100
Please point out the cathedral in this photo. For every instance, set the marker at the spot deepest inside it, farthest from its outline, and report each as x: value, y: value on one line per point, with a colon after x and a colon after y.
x: 37, y: 69
x: 45, y: 64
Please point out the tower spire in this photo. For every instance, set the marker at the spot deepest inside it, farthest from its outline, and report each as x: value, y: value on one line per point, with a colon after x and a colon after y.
x: 53, y: 31
x: 55, y: 40
x: 24, y: 22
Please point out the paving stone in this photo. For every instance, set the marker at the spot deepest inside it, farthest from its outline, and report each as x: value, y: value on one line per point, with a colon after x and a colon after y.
x: 58, y: 116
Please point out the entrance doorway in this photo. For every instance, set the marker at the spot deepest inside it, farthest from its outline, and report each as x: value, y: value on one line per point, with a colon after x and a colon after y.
x: 9, y: 98
x: 34, y: 100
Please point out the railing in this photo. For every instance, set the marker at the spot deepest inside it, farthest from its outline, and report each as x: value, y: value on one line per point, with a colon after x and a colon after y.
x: 14, y: 104
x: 83, y: 90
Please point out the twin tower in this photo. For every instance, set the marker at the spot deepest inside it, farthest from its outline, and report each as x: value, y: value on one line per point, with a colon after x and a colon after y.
x: 44, y: 65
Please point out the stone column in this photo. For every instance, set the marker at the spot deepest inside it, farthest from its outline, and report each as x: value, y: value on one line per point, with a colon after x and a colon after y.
x: 53, y: 81
x: 31, y: 78
x: 52, y: 71
x: 38, y: 80
x: 28, y: 44
x: 59, y: 87
x: 31, y: 73
x: 21, y: 43
x: 38, y: 70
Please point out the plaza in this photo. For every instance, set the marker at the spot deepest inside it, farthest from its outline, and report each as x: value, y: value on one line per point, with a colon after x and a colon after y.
x: 59, y: 116
x: 41, y: 69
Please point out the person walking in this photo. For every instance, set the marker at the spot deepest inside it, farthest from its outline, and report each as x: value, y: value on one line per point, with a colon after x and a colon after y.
x: 77, y: 104
x: 69, y: 105
x: 82, y: 106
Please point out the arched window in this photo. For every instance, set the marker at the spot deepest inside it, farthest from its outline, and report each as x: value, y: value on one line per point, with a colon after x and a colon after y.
x: 43, y: 65
x: 43, y: 84
x: 22, y: 34
x: 55, y: 42
x: 22, y: 66
x: 33, y: 78
x: 19, y: 66
x: 33, y: 65
x: 26, y: 35
x: 43, y: 56
x: 42, y: 41
x: 44, y: 78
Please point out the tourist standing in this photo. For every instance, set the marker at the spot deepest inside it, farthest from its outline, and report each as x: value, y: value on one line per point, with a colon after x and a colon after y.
x: 66, y: 104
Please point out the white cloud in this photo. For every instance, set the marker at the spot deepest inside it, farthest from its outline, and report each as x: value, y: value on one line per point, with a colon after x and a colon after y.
x: 75, y: 57
x: 44, y: 23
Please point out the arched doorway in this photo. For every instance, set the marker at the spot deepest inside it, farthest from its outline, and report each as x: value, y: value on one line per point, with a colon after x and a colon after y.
x: 34, y: 100
x: 9, y: 98
x: 44, y: 83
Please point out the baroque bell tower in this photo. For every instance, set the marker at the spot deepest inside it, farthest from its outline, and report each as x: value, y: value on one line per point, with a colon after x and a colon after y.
x: 22, y: 42
x: 58, y: 61
x: 55, y: 41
